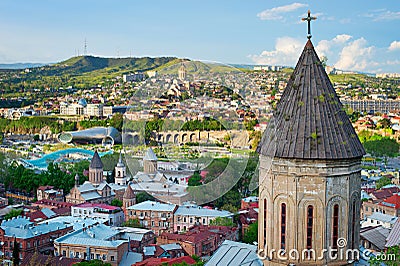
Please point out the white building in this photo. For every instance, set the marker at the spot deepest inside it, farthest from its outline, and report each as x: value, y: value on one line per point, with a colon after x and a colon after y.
x: 189, y: 215
x: 94, y: 110
x: 378, y: 218
x: 113, y: 216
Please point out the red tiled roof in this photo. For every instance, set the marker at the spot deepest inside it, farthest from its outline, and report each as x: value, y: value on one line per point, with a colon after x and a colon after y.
x: 393, y: 201
x: 159, y: 261
x: 62, y: 211
x: 54, y: 203
x: 40, y: 259
x: 34, y: 216
x: 45, y: 187
x: 382, y: 194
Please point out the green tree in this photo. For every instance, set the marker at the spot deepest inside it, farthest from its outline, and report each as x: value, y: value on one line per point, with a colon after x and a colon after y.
x: 382, y: 146
x: 143, y: 196
x: 385, y: 123
x: 383, y: 181
x: 116, y: 202
x: 93, y: 263
x: 15, y: 253
x: 132, y: 223
x: 389, y: 258
x: 13, y: 213
x: 251, y: 234
x: 117, y: 121
x: 222, y: 221
x: 195, y: 179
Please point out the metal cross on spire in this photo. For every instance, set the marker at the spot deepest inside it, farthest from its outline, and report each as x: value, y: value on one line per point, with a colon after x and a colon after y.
x: 308, y: 19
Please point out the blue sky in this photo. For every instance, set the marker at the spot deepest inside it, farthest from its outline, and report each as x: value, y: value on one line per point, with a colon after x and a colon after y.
x: 353, y: 35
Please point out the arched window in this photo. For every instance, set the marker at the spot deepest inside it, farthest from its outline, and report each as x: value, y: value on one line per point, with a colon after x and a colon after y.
x: 283, y: 226
x: 265, y: 222
x: 353, y: 225
x: 310, y: 215
x: 335, y: 226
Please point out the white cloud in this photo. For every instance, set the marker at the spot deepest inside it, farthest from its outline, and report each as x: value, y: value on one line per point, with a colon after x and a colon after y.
x: 356, y: 55
x: 382, y: 14
x: 344, y: 52
x: 287, y: 51
x: 395, y: 45
x: 325, y: 47
x: 387, y: 15
x: 276, y: 13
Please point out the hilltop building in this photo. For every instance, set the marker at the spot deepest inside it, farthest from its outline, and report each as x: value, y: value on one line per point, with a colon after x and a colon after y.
x: 310, y: 171
x: 182, y: 72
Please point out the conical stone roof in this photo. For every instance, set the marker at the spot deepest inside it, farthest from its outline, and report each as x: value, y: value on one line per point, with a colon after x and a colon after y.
x: 150, y: 155
x: 309, y: 121
x: 96, y: 162
x: 129, y: 194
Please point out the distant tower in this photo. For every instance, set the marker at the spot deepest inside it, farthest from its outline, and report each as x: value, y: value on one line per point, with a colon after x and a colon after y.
x: 150, y: 162
x: 120, y: 172
x: 85, y: 48
x: 96, y: 170
x: 182, y: 72
x: 309, y: 173
x: 128, y: 199
x: 77, y: 180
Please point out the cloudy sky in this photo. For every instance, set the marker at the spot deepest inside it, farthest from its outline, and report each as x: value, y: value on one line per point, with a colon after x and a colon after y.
x: 360, y: 35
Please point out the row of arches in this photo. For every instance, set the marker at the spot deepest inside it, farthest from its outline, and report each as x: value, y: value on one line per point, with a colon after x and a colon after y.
x: 134, y: 139
x: 309, y: 225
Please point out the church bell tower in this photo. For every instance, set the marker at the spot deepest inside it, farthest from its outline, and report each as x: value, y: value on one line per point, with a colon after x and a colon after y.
x: 310, y: 167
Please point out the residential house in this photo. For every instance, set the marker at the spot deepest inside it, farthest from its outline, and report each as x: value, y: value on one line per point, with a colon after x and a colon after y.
x: 200, y: 240
x: 249, y: 202
x: 138, y: 237
x: 153, y: 215
x: 114, y: 216
x: 48, y: 192
x: 188, y: 215
x: 96, y: 241
x: 59, y: 207
x: 30, y: 237
x: 374, y: 238
x: 378, y: 218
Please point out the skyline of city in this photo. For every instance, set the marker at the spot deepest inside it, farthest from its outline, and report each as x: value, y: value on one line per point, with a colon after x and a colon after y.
x: 352, y: 36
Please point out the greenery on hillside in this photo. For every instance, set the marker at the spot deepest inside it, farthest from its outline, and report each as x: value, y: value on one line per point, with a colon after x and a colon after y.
x: 378, y: 145
x: 76, y: 72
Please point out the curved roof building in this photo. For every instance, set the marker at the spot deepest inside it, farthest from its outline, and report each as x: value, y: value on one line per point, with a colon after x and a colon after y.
x: 103, y: 135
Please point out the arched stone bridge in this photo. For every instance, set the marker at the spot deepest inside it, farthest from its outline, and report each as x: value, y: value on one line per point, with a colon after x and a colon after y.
x: 132, y: 138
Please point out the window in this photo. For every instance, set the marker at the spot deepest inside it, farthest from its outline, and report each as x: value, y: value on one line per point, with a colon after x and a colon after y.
x: 335, y: 226
x: 64, y: 253
x: 283, y: 226
x: 310, y: 214
x: 184, y: 219
x: 265, y: 222
x: 77, y: 254
x: 112, y: 258
x: 353, y: 225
